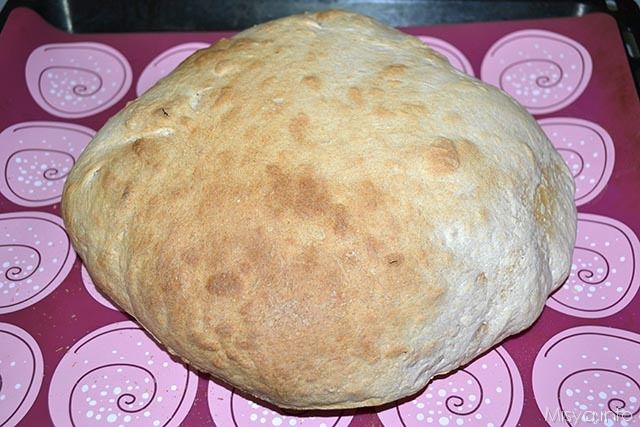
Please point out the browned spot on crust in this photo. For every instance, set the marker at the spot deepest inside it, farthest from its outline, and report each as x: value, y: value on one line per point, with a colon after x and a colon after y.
x: 313, y: 82
x: 225, y: 157
x: 147, y: 151
x: 139, y: 145
x: 225, y: 330
x: 250, y: 133
x: 383, y: 112
x: 484, y: 214
x: 249, y: 66
x: 285, y: 193
x: 481, y: 279
x: 224, y: 99
x: 311, y: 196
x: 542, y: 204
x: 191, y: 258
x: 224, y: 284
x: 246, y: 345
x: 369, y: 350
x: 243, y: 44
x: 545, y: 198
x: 442, y: 156
x: 309, y: 258
x: 340, y: 219
x: 307, y: 196
x: 394, y: 70
x: 299, y: 126
x: 452, y: 118
x: 413, y: 108
x: 355, y: 95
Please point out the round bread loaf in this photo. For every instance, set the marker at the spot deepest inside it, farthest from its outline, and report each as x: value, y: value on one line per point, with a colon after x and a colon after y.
x: 322, y: 212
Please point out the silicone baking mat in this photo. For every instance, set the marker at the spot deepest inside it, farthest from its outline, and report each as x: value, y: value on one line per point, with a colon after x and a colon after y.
x: 69, y: 357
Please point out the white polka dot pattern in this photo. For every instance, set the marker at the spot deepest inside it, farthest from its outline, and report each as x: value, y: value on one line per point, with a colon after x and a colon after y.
x: 488, y: 392
x: 21, y: 372
x: 456, y: 58
x: 36, y: 158
x: 229, y: 409
x: 164, y: 63
x: 587, y: 149
x: 589, y: 376
x: 544, y: 71
x: 74, y: 80
x: 603, y: 278
x: 117, y: 375
x: 35, y: 257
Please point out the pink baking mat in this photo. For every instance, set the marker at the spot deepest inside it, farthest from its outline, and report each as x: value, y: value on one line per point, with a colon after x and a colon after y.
x: 69, y: 357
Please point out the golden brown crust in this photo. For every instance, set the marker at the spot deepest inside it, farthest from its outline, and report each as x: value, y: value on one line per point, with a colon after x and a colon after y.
x: 323, y: 213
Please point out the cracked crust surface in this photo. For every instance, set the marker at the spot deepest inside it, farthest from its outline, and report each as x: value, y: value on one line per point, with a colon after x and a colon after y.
x: 323, y: 213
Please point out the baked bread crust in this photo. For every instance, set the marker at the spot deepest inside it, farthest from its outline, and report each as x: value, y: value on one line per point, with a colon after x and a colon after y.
x: 322, y: 212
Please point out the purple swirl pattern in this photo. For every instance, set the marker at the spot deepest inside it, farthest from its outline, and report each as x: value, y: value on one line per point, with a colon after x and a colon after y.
x: 37, y: 157
x: 230, y: 409
x: 487, y: 392
x: 603, y: 278
x: 589, y: 375
x: 93, y: 291
x: 456, y: 58
x: 118, y: 375
x: 74, y: 80
x: 35, y: 257
x: 587, y: 149
x: 164, y: 63
x: 21, y: 373
x: 543, y: 70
